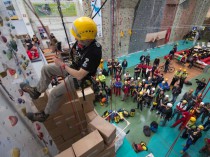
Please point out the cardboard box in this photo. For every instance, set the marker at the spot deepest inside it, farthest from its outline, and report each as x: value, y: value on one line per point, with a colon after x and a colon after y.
x: 108, y: 151
x: 71, y: 107
x: 67, y: 153
x: 41, y: 102
x: 87, y: 106
x: 50, y: 124
x: 63, y: 99
x: 57, y: 131
x: 65, y: 145
x: 89, y: 146
x: 89, y: 94
x: 58, y: 140
x: 107, y: 130
x: 70, y: 133
x: 90, y: 116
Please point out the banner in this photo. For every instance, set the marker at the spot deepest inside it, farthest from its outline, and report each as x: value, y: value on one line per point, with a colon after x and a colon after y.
x: 95, y: 6
x: 10, y: 9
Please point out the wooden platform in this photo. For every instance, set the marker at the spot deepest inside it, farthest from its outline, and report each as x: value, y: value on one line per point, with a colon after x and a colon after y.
x: 193, y: 72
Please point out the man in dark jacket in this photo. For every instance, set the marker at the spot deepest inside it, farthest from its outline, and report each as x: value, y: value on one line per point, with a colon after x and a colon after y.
x: 194, y: 135
x: 156, y: 62
x: 176, y: 90
x: 201, y: 84
x: 124, y: 65
x: 167, y: 113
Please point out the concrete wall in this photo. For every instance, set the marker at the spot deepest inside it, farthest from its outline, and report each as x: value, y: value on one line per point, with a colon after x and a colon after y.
x: 148, y: 17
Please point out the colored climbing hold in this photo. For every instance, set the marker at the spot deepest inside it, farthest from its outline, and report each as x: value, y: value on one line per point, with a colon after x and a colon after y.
x: 20, y: 101
x: 3, y: 74
x: 23, y: 110
x: 13, y: 120
x: 40, y: 135
x: 1, y: 21
x: 45, y: 150
x: 20, y: 92
x: 38, y: 127
x: 4, y: 39
x: 11, y: 71
x: 15, y: 152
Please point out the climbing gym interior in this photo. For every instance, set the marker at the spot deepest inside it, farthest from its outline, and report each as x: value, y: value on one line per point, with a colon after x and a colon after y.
x: 104, y: 78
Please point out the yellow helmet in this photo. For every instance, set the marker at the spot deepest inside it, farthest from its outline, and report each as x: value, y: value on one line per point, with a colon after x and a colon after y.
x: 141, y: 93
x: 184, y: 101
x: 84, y: 28
x: 192, y: 119
x: 126, y: 82
x: 200, y: 127
x: 184, y: 70
x: 166, y: 79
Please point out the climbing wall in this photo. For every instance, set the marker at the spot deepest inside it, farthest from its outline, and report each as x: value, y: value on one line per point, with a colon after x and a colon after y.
x: 147, y: 19
x: 189, y: 13
x: 17, y: 134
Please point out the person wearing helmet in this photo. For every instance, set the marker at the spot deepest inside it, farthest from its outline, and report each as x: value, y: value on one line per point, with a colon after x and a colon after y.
x: 193, y: 137
x: 158, y: 100
x: 167, y: 113
x: 162, y: 105
x: 127, y: 76
x: 117, y: 87
x: 84, y: 66
x: 125, y: 91
x: 102, y: 79
x: 189, y: 97
x: 101, y: 65
x: 166, y: 65
x: 201, y: 84
x: 110, y: 67
x: 176, y: 90
x: 144, y: 70
x: 182, y: 78
x: 142, y: 59
x: 137, y: 72
x: 140, y: 100
x: 205, y: 111
x: 206, y: 148
x: 115, y: 65
x: 124, y: 65
x: 190, y: 125
x: 176, y: 77
x: 180, y: 107
x: 149, y: 96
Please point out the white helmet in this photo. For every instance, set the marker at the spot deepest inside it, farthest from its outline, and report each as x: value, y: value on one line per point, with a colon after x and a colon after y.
x: 169, y: 104
x: 167, y: 96
x: 163, y: 82
x: 138, y: 78
x: 202, y: 103
x: 153, y: 88
x: 119, y: 64
x: 100, y: 73
x: 143, y: 80
x: 132, y: 78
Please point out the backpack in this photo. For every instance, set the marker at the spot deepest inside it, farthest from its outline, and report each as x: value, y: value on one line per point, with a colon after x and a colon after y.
x: 188, y: 83
x: 154, y: 126
x: 147, y: 131
x: 132, y: 112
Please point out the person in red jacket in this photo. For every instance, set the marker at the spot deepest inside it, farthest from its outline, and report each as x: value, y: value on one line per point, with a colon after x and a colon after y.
x: 185, y: 118
x: 126, y: 90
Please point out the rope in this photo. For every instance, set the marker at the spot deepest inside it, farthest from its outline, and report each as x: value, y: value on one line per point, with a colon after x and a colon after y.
x: 99, y: 9
x: 93, y: 8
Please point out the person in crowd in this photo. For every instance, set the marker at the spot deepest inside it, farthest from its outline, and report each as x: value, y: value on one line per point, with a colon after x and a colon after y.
x: 102, y: 79
x: 137, y: 72
x: 83, y: 69
x: 154, y: 81
x: 201, y: 84
x: 115, y: 65
x: 142, y: 59
x: 189, y: 126
x: 176, y: 90
x: 176, y: 77
x: 140, y: 100
x: 124, y: 65
x: 158, y: 100
x: 53, y: 42
x: 101, y: 65
x: 147, y: 58
x: 163, y: 86
x: 205, y: 111
x: 35, y: 40
x: 137, y: 90
x: 182, y: 78
x: 207, y: 124
x: 125, y: 91
x: 166, y: 64
x: 156, y: 62
x: 167, y: 113
x: 162, y: 105
x: 144, y: 70
x: 180, y: 107
x: 150, y: 96
x: 32, y: 54
x: 206, y: 147
x: 193, y: 60
x: 188, y: 96
x: 127, y: 76
x: 29, y: 43
x: 171, y: 54
x: 154, y: 67
x: 119, y: 69
x: 110, y: 67
x: 117, y: 87
x: 108, y: 93
x: 160, y: 78
x: 194, y: 135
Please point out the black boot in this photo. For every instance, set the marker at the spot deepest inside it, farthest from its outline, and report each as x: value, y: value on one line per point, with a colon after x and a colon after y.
x: 40, y: 116
x: 32, y: 91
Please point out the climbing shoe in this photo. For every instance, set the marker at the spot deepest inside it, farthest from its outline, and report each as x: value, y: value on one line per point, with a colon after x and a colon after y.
x: 40, y: 116
x: 32, y: 91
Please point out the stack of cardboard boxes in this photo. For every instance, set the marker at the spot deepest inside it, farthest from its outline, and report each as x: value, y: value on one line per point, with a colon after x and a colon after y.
x: 76, y: 128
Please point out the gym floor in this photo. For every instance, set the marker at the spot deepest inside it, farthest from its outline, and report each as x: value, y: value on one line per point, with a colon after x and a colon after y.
x: 160, y: 142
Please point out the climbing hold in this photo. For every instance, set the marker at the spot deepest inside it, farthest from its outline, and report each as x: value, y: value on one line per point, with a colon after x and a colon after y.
x: 45, y: 150
x: 15, y: 152
x: 3, y: 74
x: 13, y: 120
x: 38, y: 127
x: 20, y: 92
x: 4, y: 39
x: 20, y: 101
x: 40, y: 135
x: 11, y: 71
x: 23, y: 110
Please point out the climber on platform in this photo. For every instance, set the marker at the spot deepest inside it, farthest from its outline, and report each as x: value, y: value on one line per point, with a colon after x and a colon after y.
x: 83, y: 67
